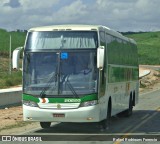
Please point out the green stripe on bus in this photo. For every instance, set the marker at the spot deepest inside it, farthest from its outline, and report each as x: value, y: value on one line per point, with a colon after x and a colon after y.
x: 89, y: 97
x: 62, y: 100
x: 29, y: 97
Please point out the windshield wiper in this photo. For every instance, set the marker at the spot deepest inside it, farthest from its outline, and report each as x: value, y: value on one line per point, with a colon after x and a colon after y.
x: 71, y: 87
x: 52, y: 79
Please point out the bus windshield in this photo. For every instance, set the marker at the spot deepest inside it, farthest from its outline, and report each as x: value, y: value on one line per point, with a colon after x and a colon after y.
x: 62, y: 39
x: 60, y: 73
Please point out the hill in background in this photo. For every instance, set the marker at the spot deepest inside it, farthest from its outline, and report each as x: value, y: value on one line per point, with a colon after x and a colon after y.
x: 147, y: 42
x: 148, y: 47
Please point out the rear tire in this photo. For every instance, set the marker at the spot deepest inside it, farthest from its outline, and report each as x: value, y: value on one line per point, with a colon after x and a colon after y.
x: 130, y: 109
x: 108, y: 119
x: 45, y: 125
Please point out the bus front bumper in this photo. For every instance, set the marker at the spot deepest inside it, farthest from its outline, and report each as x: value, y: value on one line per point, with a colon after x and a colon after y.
x: 81, y: 114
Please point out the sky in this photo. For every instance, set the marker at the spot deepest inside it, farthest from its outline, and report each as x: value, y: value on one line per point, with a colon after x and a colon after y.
x: 120, y: 15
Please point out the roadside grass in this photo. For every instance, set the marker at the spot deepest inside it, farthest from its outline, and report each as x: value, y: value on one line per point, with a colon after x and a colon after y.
x: 148, y: 47
x: 18, y: 39
x: 7, y: 80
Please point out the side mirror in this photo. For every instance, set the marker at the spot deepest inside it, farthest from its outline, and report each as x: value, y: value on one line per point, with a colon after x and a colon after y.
x: 100, y: 57
x: 16, y: 57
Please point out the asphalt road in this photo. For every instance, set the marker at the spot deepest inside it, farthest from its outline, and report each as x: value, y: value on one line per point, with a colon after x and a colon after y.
x: 143, y: 125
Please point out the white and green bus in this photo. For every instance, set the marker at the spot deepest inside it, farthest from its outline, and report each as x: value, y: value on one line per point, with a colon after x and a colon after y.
x: 77, y: 73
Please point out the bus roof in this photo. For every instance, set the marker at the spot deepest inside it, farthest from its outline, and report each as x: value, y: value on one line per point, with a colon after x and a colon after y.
x: 82, y: 28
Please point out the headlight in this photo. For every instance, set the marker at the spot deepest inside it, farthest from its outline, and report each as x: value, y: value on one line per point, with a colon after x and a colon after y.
x: 30, y: 103
x: 88, y: 103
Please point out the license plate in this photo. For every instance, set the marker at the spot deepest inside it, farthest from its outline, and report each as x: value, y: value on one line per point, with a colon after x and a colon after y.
x: 59, y: 115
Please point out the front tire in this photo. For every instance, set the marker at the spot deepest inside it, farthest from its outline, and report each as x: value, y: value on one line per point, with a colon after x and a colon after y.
x: 45, y: 125
x: 105, y: 123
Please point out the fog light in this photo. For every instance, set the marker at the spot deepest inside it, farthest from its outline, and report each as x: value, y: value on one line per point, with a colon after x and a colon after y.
x: 29, y: 118
x: 89, y: 118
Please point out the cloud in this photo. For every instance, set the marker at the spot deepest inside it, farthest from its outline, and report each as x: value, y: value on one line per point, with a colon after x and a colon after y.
x: 70, y: 13
x: 37, y: 4
x: 135, y: 15
x: 13, y: 3
x: 30, y: 13
x: 121, y: 15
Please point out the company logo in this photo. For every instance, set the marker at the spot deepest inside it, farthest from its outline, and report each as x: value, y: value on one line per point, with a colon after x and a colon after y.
x: 72, y: 100
x: 58, y: 106
x: 43, y: 100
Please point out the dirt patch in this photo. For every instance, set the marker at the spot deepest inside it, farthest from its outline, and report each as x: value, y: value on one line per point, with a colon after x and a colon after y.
x: 12, y: 121
x: 10, y: 116
x: 150, y: 82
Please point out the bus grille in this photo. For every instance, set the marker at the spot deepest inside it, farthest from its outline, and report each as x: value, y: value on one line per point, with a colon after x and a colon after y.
x: 58, y: 105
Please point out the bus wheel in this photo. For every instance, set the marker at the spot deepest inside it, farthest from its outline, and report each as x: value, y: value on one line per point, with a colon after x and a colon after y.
x: 45, y: 124
x: 108, y: 119
x: 105, y: 123
x: 130, y: 109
